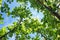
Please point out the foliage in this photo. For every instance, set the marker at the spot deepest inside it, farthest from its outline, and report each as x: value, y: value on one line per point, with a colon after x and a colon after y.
x: 48, y: 27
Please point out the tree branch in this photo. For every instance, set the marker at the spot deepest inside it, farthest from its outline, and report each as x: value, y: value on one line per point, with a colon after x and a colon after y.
x: 50, y: 9
x: 10, y: 30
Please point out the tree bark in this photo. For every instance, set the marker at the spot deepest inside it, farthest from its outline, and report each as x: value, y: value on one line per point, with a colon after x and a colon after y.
x: 50, y: 9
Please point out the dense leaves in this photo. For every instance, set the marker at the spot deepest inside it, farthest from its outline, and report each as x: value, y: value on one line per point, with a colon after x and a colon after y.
x: 48, y: 27
x: 0, y: 3
x: 22, y: 12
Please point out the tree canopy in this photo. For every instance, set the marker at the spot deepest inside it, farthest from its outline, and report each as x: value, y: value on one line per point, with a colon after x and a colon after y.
x: 48, y: 27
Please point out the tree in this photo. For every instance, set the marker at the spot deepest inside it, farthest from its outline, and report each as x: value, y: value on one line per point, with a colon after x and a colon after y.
x: 48, y: 27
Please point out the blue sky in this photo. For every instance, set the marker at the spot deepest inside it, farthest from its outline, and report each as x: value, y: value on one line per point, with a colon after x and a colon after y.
x: 9, y: 20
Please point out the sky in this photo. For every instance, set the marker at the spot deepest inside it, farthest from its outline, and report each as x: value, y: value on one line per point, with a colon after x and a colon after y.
x: 9, y: 20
